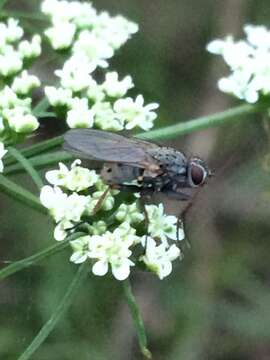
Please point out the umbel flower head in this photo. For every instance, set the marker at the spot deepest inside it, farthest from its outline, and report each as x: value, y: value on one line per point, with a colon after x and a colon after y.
x: 92, y: 39
x: 117, y: 236
x: 16, y: 83
x: 249, y: 62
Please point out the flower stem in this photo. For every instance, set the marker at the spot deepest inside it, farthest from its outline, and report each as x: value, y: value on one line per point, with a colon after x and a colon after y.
x: 202, y: 123
x: 41, y: 161
x: 37, y: 148
x: 26, y: 164
x: 59, y: 311
x: 137, y: 319
x: 20, y: 194
x: 34, y: 259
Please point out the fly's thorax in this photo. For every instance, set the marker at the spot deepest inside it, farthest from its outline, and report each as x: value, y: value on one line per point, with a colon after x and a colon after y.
x: 173, y: 162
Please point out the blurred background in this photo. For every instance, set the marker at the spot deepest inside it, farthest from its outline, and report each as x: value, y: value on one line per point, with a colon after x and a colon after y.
x: 216, y: 303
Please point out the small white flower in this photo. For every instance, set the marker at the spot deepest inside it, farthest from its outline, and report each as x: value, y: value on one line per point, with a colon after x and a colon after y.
x: 54, y: 199
x: 158, y: 258
x: 61, y: 206
x: 61, y: 35
x: 80, y: 248
x: 76, y: 179
x: 58, y: 96
x: 80, y: 116
x: 61, y: 229
x: 2, y: 154
x: 105, y: 118
x: 13, y: 31
x: 115, y: 88
x: 75, y: 74
x: 98, y: 228
x: 134, y: 113
x: 2, y: 126
x: 129, y: 213
x: 84, y: 14
x: 95, y: 91
x: 115, y: 30
x: 20, y: 121
x: 248, y: 61
x: 24, y: 83
x: 258, y: 36
x: 30, y: 49
x: 162, y: 226
x: 8, y: 98
x: 96, y: 49
x: 111, y: 249
x: 10, y: 62
x: 126, y: 232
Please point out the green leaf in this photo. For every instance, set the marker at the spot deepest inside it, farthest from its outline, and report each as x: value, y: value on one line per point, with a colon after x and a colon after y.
x: 34, y: 259
x: 20, y: 194
x: 26, y: 164
x: 137, y: 319
x: 205, y: 122
x: 22, y: 14
x: 36, y: 149
x: 41, y: 107
x: 41, y: 161
x: 58, y: 313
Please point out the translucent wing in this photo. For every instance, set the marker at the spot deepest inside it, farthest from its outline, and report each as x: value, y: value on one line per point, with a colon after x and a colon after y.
x: 109, y: 147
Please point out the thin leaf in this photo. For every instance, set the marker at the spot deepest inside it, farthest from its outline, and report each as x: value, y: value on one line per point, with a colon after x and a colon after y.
x: 58, y: 313
x: 41, y: 107
x: 137, y: 319
x: 205, y: 122
x: 41, y: 161
x: 20, y: 194
x: 26, y: 164
x: 36, y: 149
x: 34, y: 259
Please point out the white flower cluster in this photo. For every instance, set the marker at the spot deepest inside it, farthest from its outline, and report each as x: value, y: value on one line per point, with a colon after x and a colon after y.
x: 16, y: 82
x: 116, y: 238
x: 92, y: 39
x: 249, y: 62
x: 2, y: 154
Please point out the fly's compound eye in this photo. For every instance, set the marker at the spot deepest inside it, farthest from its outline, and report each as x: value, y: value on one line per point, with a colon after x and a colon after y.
x: 197, y: 173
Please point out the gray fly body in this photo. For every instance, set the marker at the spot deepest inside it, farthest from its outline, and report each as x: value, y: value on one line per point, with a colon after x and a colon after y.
x: 138, y: 165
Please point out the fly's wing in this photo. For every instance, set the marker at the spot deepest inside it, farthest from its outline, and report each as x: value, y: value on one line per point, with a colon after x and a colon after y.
x: 109, y: 147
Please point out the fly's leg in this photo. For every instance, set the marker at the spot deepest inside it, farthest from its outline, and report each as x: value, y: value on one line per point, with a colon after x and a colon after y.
x: 182, y: 216
x: 146, y: 217
x: 100, y: 200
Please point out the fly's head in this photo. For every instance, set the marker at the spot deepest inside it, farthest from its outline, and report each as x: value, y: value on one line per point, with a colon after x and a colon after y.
x: 197, y: 172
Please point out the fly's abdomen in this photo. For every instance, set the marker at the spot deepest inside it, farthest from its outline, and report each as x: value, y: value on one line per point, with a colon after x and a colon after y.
x: 120, y: 174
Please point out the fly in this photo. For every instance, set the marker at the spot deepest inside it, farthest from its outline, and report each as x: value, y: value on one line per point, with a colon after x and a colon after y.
x: 137, y: 165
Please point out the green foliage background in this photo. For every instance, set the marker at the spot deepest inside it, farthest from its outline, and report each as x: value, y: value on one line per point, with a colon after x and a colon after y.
x: 216, y: 303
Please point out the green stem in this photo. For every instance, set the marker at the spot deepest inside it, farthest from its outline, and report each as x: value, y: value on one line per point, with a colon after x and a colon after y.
x: 22, y: 14
x: 57, y: 314
x: 26, y: 164
x: 202, y: 123
x: 20, y: 194
x: 34, y: 259
x: 37, y: 148
x: 137, y: 319
x: 41, y: 106
x: 41, y: 161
